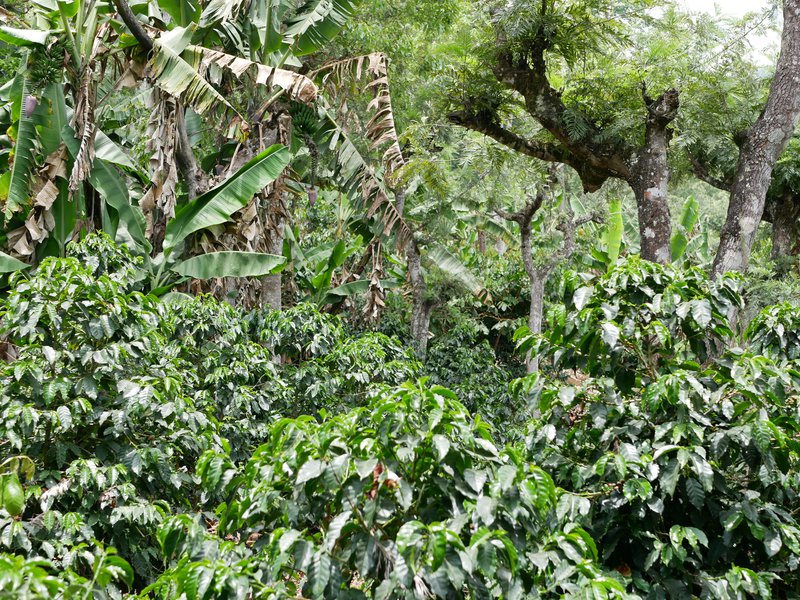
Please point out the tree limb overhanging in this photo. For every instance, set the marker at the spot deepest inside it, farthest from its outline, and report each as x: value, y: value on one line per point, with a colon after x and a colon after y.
x: 484, y: 122
x: 133, y: 24
x: 596, y: 155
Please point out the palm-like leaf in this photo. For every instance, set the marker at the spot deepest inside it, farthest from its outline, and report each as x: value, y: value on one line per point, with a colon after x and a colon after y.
x: 218, y: 204
x: 106, y: 179
x: 614, y: 231
x: 317, y: 23
x: 353, y: 288
x: 452, y: 266
x: 183, y: 12
x: 298, y: 87
x: 19, y: 186
x: 230, y: 264
x: 23, y: 37
x: 354, y: 175
x: 177, y: 77
x: 381, y: 128
x: 221, y: 10
x: 680, y: 239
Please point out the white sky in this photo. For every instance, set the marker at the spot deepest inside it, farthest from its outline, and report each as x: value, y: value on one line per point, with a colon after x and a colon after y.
x: 765, y: 46
x: 735, y: 8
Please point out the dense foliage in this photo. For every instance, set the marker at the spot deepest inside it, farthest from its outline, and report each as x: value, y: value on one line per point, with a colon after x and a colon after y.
x: 683, y: 446
x: 158, y: 446
x: 412, y: 299
x: 115, y: 396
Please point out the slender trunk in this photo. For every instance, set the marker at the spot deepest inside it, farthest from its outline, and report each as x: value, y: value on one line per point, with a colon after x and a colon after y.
x: 650, y: 179
x: 784, y: 225
x: 536, y: 283
x: 535, y: 316
x: 184, y: 156
x: 421, y: 306
x: 271, y: 290
x: 276, y: 216
x: 482, y: 241
x: 537, y: 276
x: 158, y: 204
x: 764, y: 142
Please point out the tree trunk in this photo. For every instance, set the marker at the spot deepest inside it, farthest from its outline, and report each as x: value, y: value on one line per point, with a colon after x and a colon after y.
x: 482, y: 241
x: 784, y: 213
x: 655, y: 225
x: 193, y: 177
x: 537, y: 276
x: 535, y: 316
x: 764, y: 142
x: 272, y: 285
x: 421, y: 306
x: 650, y: 178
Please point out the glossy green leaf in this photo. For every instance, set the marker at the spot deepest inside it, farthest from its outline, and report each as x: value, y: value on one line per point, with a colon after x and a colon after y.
x: 219, y: 204
x: 22, y: 169
x: 23, y: 37
x: 230, y: 264
x: 9, y: 264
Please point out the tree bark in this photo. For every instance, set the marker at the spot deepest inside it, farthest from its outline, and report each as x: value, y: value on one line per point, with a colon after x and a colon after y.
x: 539, y: 274
x: 535, y: 316
x: 421, y: 306
x: 650, y: 178
x: 536, y: 276
x: 133, y: 24
x: 784, y: 214
x: 764, y: 142
x: 272, y: 285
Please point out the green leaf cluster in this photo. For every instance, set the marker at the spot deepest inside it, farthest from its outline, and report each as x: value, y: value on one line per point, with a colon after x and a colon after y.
x: 683, y: 446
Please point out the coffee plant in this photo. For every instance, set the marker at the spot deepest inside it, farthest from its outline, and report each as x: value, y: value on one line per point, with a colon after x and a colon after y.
x: 405, y: 497
x: 179, y: 447
x: 683, y: 450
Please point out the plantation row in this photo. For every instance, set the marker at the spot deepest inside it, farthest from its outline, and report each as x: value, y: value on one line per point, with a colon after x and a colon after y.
x: 156, y: 447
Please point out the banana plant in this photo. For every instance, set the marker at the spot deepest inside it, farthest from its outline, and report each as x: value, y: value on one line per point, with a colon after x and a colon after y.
x: 315, y: 270
x: 213, y: 208
x: 690, y: 238
x: 611, y: 238
x: 124, y: 220
x: 64, y: 171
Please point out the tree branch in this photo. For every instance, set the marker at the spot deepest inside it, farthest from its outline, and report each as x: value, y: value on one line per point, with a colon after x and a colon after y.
x: 133, y: 24
x: 524, y: 218
x: 701, y: 172
x: 544, y: 104
x: 483, y: 122
x: 508, y: 216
